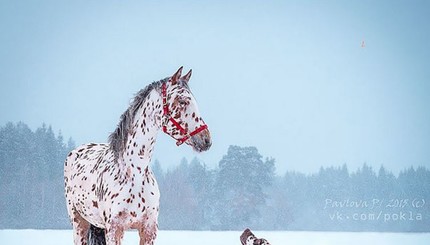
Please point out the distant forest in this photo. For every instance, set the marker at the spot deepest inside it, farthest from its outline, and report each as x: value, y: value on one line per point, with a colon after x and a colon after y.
x: 243, y: 191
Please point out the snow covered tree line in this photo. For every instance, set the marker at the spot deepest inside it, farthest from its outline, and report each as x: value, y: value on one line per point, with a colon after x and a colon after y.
x: 335, y: 199
x: 243, y: 191
x: 31, y: 177
x: 229, y: 197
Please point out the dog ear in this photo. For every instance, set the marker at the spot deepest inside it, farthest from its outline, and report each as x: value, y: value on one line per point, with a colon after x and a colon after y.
x: 246, y: 233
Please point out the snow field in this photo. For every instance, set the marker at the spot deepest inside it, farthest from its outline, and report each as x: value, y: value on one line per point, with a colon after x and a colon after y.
x: 54, y: 237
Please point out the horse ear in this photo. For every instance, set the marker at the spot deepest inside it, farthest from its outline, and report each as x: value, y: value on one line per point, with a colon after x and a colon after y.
x: 175, y: 78
x: 187, y: 77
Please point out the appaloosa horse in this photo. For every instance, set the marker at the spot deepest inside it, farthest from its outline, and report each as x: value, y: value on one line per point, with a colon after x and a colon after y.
x: 110, y: 187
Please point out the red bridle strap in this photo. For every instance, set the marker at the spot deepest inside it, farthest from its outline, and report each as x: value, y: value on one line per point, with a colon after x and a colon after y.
x: 166, y: 113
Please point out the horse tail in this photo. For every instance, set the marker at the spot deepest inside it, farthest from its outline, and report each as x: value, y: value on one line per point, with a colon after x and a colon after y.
x: 96, y: 236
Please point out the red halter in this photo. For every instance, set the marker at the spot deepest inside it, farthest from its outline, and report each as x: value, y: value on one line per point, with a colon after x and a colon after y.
x: 183, y: 131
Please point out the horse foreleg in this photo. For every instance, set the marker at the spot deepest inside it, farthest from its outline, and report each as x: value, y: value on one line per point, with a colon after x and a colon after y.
x: 148, y: 234
x: 80, y: 229
x: 114, y: 235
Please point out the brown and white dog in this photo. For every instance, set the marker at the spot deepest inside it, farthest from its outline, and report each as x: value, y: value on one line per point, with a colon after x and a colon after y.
x: 248, y: 238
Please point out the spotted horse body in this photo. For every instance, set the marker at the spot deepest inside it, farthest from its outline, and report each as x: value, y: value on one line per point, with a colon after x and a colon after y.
x: 110, y: 188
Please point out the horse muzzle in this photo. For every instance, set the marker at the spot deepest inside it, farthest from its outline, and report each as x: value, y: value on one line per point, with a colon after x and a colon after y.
x: 201, y: 141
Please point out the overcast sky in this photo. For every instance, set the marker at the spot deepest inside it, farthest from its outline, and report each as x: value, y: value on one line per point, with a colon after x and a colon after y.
x: 288, y: 77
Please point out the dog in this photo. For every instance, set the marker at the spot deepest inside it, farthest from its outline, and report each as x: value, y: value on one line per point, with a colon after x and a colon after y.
x: 248, y: 238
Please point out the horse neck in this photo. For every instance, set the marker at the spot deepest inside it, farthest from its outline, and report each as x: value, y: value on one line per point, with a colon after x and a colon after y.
x: 141, y: 139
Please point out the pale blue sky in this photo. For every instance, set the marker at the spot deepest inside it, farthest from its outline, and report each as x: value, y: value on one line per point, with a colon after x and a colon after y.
x: 288, y: 77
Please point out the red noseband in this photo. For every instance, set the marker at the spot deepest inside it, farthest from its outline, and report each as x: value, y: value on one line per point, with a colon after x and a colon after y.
x: 169, y: 117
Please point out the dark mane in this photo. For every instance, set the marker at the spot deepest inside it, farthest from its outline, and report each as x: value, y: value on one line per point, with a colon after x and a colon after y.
x: 118, y: 139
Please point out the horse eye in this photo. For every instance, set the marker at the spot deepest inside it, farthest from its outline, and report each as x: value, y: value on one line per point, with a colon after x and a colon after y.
x: 182, y: 103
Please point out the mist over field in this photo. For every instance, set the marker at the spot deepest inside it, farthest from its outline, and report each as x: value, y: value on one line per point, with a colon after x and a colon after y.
x: 244, y: 190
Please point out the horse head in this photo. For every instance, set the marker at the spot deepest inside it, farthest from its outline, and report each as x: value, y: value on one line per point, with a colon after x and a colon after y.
x: 181, y: 116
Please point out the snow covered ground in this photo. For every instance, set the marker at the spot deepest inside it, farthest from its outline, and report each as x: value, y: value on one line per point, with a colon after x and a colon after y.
x: 48, y: 237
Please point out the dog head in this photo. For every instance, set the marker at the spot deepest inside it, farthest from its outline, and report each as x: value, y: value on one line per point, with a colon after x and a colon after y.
x: 248, y: 238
